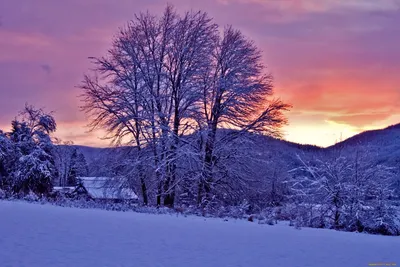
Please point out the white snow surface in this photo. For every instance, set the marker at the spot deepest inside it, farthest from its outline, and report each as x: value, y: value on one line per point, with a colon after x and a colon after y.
x: 44, y: 235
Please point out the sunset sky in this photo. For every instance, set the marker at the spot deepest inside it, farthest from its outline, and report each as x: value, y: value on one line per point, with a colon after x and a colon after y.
x: 336, y: 61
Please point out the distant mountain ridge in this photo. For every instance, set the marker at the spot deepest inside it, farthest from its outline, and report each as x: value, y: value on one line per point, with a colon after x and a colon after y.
x: 383, y: 143
x: 372, y: 137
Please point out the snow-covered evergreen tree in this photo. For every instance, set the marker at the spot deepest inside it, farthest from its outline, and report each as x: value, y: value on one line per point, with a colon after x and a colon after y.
x: 78, y: 167
x: 34, y: 172
x: 7, y: 158
x: 33, y: 168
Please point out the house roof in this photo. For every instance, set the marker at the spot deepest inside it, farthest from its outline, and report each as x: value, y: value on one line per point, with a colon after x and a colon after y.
x: 107, y: 188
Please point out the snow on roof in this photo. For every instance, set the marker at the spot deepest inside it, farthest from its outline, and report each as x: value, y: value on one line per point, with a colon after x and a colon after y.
x: 63, y: 188
x: 104, y: 187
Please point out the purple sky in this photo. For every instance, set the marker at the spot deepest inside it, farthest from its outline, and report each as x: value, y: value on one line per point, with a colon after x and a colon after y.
x: 336, y: 61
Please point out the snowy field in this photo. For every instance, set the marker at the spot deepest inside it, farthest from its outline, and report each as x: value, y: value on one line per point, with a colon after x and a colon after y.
x: 34, y: 235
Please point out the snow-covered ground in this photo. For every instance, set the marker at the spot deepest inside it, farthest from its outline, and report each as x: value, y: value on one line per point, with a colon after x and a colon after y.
x: 43, y: 235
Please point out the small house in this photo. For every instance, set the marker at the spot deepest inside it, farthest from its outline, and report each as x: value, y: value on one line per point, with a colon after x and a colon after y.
x: 102, y: 189
x: 105, y: 188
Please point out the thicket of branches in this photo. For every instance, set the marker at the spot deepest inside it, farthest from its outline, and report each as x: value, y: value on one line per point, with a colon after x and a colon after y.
x: 69, y: 162
x: 167, y: 87
x: 345, y: 190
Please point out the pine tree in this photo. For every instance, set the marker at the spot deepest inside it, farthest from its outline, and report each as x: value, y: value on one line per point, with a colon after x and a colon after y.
x: 79, y: 167
x: 35, y: 166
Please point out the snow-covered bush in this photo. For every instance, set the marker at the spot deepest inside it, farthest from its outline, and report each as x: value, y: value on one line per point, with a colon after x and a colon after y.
x: 382, y: 219
x: 34, y: 173
x: 31, y: 197
x: 344, y: 192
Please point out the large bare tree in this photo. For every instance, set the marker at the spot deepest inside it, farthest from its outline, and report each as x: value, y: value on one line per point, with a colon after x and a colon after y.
x: 236, y: 91
x: 172, y: 76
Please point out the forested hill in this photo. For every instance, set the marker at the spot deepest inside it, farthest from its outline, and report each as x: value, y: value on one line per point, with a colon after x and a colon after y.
x: 383, y: 137
x: 384, y: 144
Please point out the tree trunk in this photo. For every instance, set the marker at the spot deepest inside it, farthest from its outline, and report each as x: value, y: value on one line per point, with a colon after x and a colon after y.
x: 207, y: 175
x: 169, y: 193
x: 159, y: 193
x: 337, y: 212
x: 200, y: 193
x: 144, y: 192
x: 169, y: 198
